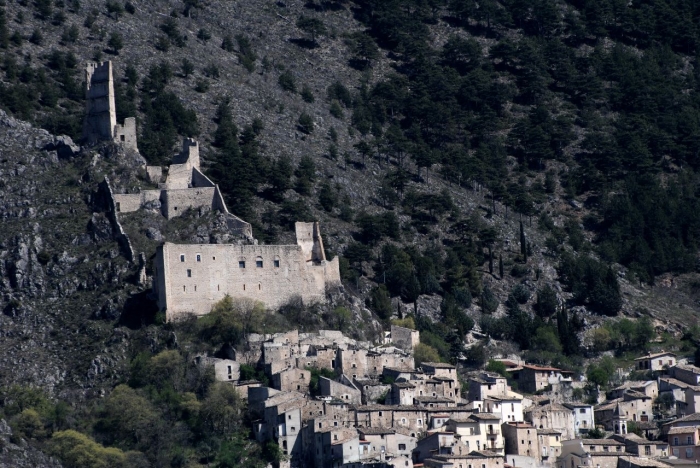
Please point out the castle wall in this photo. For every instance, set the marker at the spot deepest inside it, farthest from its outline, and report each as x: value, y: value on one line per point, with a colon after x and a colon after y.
x: 179, y: 177
x: 175, y: 202
x: 200, y: 180
x: 126, y: 134
x: 130, y: 202
x: 193, y: 286
x: 155, y: 173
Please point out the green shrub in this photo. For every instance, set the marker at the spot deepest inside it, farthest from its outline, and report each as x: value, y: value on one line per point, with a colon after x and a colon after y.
x: 306, y: 123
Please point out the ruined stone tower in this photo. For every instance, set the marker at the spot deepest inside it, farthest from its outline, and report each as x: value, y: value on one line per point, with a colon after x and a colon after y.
x: 100, y: 110
x: 100, y: 122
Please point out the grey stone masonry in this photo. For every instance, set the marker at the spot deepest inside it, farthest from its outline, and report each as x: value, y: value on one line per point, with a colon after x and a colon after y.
x: 189, y: 279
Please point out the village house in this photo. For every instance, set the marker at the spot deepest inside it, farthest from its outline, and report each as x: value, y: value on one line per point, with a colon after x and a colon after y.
x: 584, y: 417
x: 553, y: 416
x: 686, y: 373
x: 634, y: 405
x: 549, y: 442
x: 642, y: 447
x: 487, y: 384
x: 520, y: 438
x: 532, y: 379
x: 655, y: 362
x: 225, y: 370
x: 478, y: 431
x: 436, y: 443
x: 683, y: 436
x: 593, y: 453
x: 342, y: 388
x: 475, y: 459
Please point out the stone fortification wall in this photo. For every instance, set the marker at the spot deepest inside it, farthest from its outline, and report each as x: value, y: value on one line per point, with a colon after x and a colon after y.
x: 175, y: 202
x: 179, y: 177
x: 155, y: 174
x: 100, y: 110
x: 200, y: 180
x: 130, y: 202
x: 191, y: 278
x: 126, y: 134
x: 120, y: 234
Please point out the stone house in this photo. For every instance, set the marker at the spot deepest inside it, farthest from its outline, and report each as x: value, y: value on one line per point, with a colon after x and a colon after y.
x: 552, y: 416
x: 379, y: 358
x: 676, y: 388
x: 510, y: 408
x: 321, y: 357
x: 683, y: 436
x: 480, y: 431
x: 433, y: 402
x: 342, y: 388
x: 656, y: 361
x: 549, y: 442
x: 520, y: 438
x: 683, y: 442
x: 487, y: 384
x: 584, y: 417
x: 384, y: 443
x: 402, y: 393
x: 641, y: 446
x: 372, y: 390
x: 686, y: 373
x: 404, y: 338
x: 603, y: 453
x: 282, y: 422
x: 446, y: 373
x: 475, y: 459
x: 649, y: 387
x: 635, y: 406
x: 292, y: 379
x: 352, y: 362
x: 532, y: 379
x: 436, y: 443
x: 225, y: 370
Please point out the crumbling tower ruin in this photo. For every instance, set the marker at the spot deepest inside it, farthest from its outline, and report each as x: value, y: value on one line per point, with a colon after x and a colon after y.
x: 100, y: 109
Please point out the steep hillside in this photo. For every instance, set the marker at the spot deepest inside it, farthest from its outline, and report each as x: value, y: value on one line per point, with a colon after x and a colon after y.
x: 519, y: 175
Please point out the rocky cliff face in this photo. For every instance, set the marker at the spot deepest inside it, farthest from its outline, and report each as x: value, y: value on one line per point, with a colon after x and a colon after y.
x: 16, y: 453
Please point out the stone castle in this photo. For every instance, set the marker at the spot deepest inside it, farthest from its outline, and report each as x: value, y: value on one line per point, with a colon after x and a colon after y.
x: 189, y: 279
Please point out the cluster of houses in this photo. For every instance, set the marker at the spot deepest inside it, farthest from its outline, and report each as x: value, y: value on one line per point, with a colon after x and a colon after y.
x: 376, y: 408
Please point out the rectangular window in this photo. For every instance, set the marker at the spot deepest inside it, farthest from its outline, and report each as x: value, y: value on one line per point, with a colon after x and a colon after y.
x: 688, y: 453
x: 276, y: 263
x: 402, y: 446
x: 182, y: 258
x: 189, y: 273
x: 689, y: 440
x: 258, y: 263
x: 647, y: 450
x: 675, y: 441
x: 199, y: 258
x: 241, y: 264
x: 582, y: 411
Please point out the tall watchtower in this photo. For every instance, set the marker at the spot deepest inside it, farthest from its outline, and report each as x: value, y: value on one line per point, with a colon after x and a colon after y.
x: 100, y: 110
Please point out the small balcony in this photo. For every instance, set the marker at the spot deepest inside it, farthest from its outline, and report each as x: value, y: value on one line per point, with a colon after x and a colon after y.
x: 492, y: 431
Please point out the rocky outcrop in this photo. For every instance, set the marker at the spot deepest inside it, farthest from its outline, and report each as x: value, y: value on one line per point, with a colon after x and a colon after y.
x: 15, y: 452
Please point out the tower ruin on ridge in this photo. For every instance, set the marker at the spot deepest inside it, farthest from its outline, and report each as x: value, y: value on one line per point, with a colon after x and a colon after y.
x: 100, y: 123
